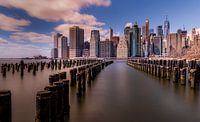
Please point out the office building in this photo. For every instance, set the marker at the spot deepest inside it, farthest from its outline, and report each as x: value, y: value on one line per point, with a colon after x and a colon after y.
x: 136, y: 41
x: 159, y: 30
x: 94, y: 43
x: 106, y: 48
x: 76, y: 41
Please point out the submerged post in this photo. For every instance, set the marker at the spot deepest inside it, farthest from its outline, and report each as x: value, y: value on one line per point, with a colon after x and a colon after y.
x: 5, y: 106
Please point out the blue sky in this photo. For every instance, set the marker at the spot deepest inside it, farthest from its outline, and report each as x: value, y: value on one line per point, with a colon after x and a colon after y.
x: 26, y: 27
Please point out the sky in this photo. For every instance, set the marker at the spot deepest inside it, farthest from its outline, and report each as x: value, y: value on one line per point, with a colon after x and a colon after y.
x: 26, y: 26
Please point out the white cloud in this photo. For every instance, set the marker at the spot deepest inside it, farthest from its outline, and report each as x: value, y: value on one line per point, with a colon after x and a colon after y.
x: 64, y: 29
x: 68, y: 11
x: 31, y: 37
x: 3, y: 41
x: 11, y: 24
x: 129, y: 24
x: 55, y: 10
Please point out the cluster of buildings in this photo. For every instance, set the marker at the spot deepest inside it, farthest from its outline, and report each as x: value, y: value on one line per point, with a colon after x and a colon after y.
x: 135, y: 42
x: 77, y: 47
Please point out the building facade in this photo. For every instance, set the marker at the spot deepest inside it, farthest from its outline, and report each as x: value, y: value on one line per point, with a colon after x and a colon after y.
x: 106, y: 48
x: 122, y: 50
x: 95, y: 43
x: 128, y: 37
x: 76, y: 41
x: 136, y: 41
x: 86, y: 50
x: 115, y: 41
x: 63, y: 48
x: 159, y: 30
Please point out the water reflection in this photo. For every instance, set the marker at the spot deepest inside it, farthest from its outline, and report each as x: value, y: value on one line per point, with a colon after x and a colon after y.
x: 187, y: 94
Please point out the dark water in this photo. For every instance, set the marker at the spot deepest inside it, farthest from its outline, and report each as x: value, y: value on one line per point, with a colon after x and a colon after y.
x: 118, y: 94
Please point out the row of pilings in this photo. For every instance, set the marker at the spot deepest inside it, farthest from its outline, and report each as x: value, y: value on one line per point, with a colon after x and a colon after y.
x: 52, y: 103
x: 34, y: 67
x: 180, y: 71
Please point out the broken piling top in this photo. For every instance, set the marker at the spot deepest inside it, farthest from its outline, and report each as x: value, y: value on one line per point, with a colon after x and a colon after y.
x: 5, y: 93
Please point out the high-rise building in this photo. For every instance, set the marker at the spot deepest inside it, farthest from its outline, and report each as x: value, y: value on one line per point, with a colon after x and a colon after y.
x: 115, y: 40
x: 63, y: 48
x: 159, y: 30
x: 86, y: 50
x: 106, y: 48
x: 122, y: 50
x: 174, y: 46
x: 145, y: 39
x: 54, y: 53
x: 76, y: 41
x: 157, y: 45
x: 151, y: 44
x: 136, y: 42
x: 166, y: 27
x: 94, y: 43
x: 55, y: 39
x: 128, y: 37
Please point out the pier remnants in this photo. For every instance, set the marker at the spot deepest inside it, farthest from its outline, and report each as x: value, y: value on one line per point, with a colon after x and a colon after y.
x: 180, y: 71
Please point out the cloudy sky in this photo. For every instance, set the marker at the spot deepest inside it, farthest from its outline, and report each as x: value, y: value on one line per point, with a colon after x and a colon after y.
x: 26, y: 26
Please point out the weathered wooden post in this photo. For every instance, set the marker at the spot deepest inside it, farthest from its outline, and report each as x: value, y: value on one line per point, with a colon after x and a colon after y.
x: 79, y: 85
x: 53, y: 102
x: 43, y: 106
x: 175, y: 75
x: 5, y: 106
x: 192, y: 78
x: 183, y: 76
x: 73, y: 73
x: 59, y: 107
x: 66, y: 105
x: 167, y: 70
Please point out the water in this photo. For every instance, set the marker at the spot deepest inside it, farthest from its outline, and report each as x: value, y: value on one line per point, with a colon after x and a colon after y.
x: 119, y: 93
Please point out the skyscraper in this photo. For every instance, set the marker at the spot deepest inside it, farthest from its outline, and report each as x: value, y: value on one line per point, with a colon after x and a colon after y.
x: 159, y: 30
x: 63, y: 48
x: 106, y: 48
x: 76, y: 41
x: 122, y: 50
x: 55, y: 39
x: 54, y: 51
x: 115, y: 41
x: 94, y: 43
x: 174, y: 44
x: 136, y: 42
x: 166, y: 27
x: 157, y: 45
x: 145, y: 39
x: 128, y: 37
x: 86, y: 50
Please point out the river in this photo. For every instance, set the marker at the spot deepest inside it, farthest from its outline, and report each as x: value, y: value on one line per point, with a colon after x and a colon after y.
x: 118, y: 94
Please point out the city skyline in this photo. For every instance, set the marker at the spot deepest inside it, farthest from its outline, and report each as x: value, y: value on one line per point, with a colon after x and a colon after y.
x: 27, y: 31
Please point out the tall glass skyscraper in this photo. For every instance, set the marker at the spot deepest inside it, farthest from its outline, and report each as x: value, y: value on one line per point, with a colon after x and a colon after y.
x: 76, y: 35
x: 135, y: 42
x: 166, y: 28
x: 166, y: 33
x: 94, y: 43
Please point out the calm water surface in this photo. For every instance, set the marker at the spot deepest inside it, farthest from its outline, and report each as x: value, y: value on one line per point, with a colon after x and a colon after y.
x: 118, y: 94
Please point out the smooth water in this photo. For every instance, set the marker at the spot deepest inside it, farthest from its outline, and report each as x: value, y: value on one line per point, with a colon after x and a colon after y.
x: 118, y: 94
